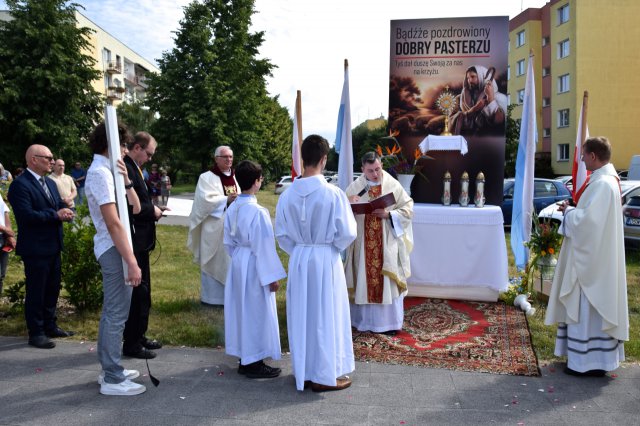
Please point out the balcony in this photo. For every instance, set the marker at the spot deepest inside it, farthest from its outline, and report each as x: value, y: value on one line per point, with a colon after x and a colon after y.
x: 115, y: 93
x: 114, y: 67
x: 141, y: 81
x: 117, y: 89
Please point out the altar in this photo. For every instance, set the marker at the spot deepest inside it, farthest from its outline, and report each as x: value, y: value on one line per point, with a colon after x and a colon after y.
x: 458, y: 253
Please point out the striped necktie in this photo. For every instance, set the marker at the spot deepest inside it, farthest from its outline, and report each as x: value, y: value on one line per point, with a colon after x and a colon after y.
x: 46, y: 189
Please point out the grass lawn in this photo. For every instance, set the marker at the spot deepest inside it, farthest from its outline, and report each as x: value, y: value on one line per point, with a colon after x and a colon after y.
x: 178, y: 318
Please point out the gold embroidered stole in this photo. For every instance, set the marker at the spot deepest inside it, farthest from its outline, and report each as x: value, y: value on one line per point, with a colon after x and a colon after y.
x: 373, y: 249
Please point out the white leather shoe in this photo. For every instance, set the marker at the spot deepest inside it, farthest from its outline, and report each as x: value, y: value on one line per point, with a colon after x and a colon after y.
x: 128, y: 374
x: 125, y: 388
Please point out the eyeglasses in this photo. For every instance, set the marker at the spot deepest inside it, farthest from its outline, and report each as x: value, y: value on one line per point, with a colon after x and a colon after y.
x: 149, y: 154
x: 47, y: 157
x: 226, y: 157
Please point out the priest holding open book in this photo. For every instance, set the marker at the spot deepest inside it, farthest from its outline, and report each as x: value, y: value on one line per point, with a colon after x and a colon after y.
x: 377, y: 263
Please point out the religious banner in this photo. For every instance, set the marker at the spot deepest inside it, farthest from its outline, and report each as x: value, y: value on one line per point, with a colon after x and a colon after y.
x: 449, y: 77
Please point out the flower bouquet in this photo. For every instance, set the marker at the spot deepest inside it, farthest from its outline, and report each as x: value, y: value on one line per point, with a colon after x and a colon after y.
x: 544, y: 243
x: 395, y: 162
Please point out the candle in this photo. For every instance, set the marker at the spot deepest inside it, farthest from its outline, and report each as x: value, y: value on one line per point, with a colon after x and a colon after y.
x: 446, y: 195
x: 464, y: 193
x: 479, y: 199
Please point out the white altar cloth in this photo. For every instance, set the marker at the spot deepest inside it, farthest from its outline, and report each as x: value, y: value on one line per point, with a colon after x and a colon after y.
x: 458, y: 253
x: 444, y: 143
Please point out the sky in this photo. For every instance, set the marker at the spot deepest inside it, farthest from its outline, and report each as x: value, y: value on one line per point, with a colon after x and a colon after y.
x: 308, y: 41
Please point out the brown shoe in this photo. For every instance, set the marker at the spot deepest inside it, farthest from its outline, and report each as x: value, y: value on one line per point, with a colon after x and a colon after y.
x: 340, y: 384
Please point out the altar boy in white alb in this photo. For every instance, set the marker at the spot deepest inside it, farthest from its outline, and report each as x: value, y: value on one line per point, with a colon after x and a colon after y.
x: 588, y: 297
x: 250, y: 316
x: 314, y: 223
x: 377, y: 264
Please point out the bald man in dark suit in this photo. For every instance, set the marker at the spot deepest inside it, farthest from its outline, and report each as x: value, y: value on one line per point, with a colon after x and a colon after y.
x: 40, y: 212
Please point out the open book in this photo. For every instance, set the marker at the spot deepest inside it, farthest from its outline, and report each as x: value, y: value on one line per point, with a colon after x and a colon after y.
x: 366, y: 207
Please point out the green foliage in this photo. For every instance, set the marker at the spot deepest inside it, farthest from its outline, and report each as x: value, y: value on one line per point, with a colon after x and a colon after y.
x: 81, y: 274
x: 212, y: 91
x: 137, y: 117
x: 45, y: 81
x: 16, y: 293
x: 512, y: 136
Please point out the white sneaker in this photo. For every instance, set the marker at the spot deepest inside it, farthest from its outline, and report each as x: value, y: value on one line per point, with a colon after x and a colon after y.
x: 124, y: 388
x: 128, y: 375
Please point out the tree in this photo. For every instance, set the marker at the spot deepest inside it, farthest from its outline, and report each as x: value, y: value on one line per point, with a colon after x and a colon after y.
x: 45, y: 81
x: 512, y: 137
x: 212, y: 90
x: 137, y: 117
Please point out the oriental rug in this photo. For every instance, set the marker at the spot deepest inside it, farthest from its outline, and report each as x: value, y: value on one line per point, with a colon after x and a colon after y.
x: 457, y: 335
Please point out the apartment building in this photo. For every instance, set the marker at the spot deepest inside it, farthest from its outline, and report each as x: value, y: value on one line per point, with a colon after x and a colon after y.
x: 578, y: 46
x: 123, y: 70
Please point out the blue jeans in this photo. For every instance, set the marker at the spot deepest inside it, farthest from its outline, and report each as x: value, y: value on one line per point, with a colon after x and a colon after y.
x: 80, y: 197
x: 115, y: 310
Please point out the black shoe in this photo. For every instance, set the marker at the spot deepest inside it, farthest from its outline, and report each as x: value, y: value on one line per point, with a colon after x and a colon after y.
x: 590, y: 373
x: 242, y: 369
x: 58, y: 332
x: 41, y: 342
x: 151, y: 344
x: 141, y: 353
x: 389, y: 332
x: 260, y: 370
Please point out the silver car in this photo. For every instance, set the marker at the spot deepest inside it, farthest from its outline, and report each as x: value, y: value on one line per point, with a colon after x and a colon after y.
x: 631, y: 213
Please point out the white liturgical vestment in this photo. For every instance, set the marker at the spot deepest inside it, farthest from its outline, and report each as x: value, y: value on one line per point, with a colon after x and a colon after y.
x: 250, y: 317
x: 314, y: 223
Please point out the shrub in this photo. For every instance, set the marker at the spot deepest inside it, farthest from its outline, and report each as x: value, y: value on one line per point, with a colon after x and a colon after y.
x: 81, y: 276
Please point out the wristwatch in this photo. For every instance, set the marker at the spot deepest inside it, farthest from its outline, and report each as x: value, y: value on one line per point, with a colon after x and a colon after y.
x: 129, y: 186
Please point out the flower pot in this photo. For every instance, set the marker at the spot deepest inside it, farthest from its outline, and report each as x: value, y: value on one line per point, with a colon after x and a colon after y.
x: 405, y: 181
x: 547, y: 266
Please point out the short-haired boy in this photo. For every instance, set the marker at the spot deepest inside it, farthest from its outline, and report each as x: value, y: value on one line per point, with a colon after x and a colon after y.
x: 250, y: 316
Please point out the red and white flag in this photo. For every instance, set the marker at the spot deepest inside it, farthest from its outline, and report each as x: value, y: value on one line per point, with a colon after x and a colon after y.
x: 296, y: 159
x: 580, y: 173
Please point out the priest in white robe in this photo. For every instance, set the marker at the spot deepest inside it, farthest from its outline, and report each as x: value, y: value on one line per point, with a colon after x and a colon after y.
x: 314, y: 223
x: 588, y: 297
x: 216, y: 190
x: 377, y: 263
x: 250, y: 316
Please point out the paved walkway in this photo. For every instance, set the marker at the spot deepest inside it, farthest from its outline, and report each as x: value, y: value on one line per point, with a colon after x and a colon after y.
x: 201, y: 386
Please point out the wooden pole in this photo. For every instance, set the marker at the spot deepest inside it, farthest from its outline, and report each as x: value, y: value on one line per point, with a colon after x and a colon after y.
x: 299, y: 115
x: 583, y: 129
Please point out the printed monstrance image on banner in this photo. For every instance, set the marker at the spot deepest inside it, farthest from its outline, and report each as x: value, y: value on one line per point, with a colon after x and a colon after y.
x: 449, y: 76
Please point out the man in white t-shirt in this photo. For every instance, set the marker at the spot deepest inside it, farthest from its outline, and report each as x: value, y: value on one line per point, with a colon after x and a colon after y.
x: 111, y: 248
x: 66, y: 185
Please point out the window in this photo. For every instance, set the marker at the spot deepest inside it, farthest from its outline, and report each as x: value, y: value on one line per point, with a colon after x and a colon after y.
x: 546, y: 132
x: 520, y: 38
x: 520, y: 97
x: 546, y: 102
x: 546, y: 71
x: 563, y: 118
x: 508, y: 72
x: 563, y: 49
x: 563, y: 14
x: 508, y: 98
x: 545, y: 41
x: 520, y: 67
x: 563, y: 83
x: 544, y: 189
x: 563, y: 152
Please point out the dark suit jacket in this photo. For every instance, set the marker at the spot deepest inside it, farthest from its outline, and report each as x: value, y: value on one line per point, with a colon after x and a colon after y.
x: 39, y: 228
x: 143, y: 225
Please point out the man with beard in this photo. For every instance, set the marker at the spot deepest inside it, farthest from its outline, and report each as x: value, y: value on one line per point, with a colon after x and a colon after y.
x: 481, y: 108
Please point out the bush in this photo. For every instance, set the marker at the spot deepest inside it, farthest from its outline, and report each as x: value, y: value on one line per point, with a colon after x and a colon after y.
x: 81, y: 276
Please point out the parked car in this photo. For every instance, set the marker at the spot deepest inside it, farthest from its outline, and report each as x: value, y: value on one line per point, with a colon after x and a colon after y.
x: 630, y: 191
x: 545, y: 192
x: 283, y: 183
x: 567, y: 180
x: 631, y: 214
